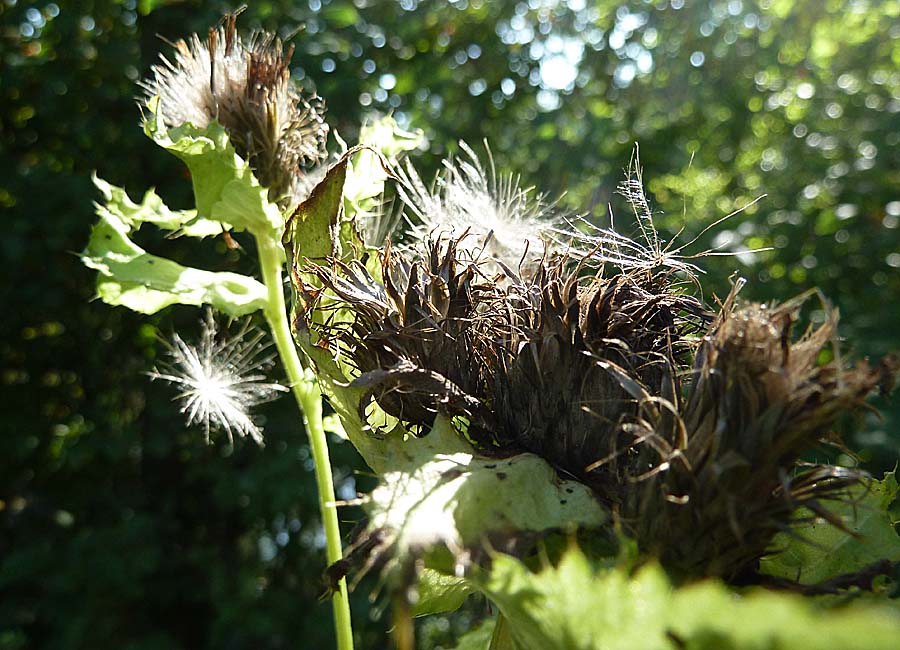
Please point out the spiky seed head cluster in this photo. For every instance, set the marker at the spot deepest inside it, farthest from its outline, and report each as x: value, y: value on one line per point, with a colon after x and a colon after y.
x: 247, y: 88
x: 503, y: 221
x: 690, y: 425
x: 416, y: 335
x: 754, y: 400
x: 220, y: 379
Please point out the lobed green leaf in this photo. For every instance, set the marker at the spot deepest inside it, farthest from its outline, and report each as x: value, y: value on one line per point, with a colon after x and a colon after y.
x: 576, y: 606
x: 154, y: 211
x: 818, y: 551
x: 133, y: 278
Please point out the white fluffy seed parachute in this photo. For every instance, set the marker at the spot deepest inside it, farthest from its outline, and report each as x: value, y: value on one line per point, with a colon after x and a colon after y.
x: 485, y: 211
x: 221, y: 379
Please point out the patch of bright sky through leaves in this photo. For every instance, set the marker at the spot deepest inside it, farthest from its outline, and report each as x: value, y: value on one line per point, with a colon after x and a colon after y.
x: 559, y: 57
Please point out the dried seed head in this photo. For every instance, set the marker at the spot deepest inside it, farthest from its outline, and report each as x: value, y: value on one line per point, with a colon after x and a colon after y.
x: 756, y: 401
x: 694, y: 440
x: 560, y: 392
x: 504, y: 221
x: 220, y: 379
x: 416, y: 338
x: 247, y: 88
x: 691, y: 428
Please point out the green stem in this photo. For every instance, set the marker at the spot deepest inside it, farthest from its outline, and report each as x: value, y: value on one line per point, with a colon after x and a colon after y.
x: 309, y: 398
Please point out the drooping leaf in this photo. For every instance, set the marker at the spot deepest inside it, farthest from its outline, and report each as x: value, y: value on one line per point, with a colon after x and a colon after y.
x: 154, y: 211
x: 133, y: 278
x: 328, y: 224
x: 314, y: 232
x: 820, y: 551
x: 437, y: 493
x: 576, y: 606
x: 311, y: 232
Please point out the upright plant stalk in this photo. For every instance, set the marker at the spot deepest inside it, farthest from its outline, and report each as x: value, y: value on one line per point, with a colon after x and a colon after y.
x: 309, y: 399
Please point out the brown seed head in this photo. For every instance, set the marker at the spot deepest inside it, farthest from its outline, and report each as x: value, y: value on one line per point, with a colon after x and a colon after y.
x: 246, y: 87
x: 756, y: 400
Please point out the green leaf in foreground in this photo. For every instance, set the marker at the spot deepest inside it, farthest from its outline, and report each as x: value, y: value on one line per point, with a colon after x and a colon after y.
x: 575, y: 606
x: 438, y: 493
x: 820, y: 551
x: 133, y: 278
x: 478, y: 638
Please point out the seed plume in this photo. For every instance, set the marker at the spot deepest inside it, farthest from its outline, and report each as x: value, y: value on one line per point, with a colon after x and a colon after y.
x: 220, y: 379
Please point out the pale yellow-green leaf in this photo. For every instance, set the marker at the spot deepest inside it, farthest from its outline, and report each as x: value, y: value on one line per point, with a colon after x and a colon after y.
x: 577, y: 605
x: 131, y: 277
x: 225, y: 189
x: 819, y: 550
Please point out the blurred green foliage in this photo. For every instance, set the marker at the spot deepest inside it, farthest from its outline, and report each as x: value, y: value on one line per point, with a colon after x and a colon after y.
x: 119, y: 529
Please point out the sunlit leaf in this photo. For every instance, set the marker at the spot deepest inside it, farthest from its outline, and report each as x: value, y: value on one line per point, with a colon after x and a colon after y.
x: 819, y: 551
x: 437, y: 492
x: 225, y: 188
x: 576, y: 606
x: 133, y: 278
x: 438, y: 592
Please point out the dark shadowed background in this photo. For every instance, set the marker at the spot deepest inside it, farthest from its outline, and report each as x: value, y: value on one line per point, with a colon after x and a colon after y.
x: 121, y: 529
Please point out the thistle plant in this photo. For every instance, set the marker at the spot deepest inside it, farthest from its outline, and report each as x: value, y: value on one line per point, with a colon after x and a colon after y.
x: 251, y: 139
x: 557, y: 421
x: 585, y: 391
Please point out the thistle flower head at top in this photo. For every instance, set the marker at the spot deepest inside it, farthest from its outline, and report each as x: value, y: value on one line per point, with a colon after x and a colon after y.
x: 247, y: 88
x: 220, y: 379
x: 481, y: 210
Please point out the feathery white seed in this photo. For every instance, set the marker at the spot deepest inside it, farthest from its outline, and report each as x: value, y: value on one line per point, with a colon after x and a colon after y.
x: 504, y: 221
x: 220, y: 380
